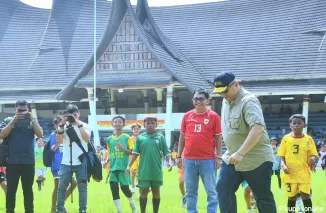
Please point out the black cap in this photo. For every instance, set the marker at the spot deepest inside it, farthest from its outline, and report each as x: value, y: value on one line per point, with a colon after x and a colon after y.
x: 222, y: 81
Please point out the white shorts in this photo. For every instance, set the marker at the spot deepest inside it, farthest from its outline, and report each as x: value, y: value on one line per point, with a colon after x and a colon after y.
x: 40, y: 172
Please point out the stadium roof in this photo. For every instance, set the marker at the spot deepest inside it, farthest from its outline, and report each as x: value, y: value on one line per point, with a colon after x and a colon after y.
x: 257, y: 40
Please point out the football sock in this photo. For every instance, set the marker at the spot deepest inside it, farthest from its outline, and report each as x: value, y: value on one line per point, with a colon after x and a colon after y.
x: 291, y: 206
x: 143, y: 203
x: 307, y: 205
x: 156, y: 204
x: 132, y: 203
x: 117, y: 205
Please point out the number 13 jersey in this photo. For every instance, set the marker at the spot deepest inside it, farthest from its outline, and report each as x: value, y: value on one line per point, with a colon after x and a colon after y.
x: 297, y: 153
x: 199, y: 130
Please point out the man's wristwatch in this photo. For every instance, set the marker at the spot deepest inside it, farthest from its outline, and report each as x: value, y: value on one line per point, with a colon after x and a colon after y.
x: 80, y: 126
x: 179, y: 157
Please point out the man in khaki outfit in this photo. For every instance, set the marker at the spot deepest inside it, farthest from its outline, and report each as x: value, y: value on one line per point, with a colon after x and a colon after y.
x: 249, y: 155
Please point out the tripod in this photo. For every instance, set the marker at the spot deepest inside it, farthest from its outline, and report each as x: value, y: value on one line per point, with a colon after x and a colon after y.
x: 71, y: 180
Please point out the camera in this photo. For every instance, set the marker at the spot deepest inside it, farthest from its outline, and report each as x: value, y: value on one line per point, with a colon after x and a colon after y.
x: 70, y: 118
x: 24, y: 123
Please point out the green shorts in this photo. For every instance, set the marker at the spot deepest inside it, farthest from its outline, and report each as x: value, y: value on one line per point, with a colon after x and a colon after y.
x: 149, y: 183
x: 120, y: 177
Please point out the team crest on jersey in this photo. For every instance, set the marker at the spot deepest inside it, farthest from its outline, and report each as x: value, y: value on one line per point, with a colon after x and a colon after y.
x: 157, y: 141
x: 206, y: 121
x: 307, y: 143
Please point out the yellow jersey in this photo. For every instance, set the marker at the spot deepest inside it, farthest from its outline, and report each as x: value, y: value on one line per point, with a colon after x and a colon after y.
x: 297, y: 153
x: 136, y: 163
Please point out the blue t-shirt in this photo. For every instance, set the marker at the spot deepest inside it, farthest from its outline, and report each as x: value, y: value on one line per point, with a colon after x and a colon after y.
x: 277, y: 162
x: 57, y: 155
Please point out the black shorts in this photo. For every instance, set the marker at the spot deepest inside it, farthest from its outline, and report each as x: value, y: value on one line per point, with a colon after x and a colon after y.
x: 277, y: 172
x: 323, y: 166
x: 2, y: 177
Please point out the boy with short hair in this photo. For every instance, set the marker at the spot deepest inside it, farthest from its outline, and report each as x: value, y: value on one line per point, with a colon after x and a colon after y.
x: 152, y: 147
x: 40, y: 170
x: 277, y: 162
x: 120, y: 146
x: 135, y: 131
x: 298, y: 153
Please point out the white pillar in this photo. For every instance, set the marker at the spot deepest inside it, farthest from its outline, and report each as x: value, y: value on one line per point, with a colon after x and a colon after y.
x: 1, y: 111
x: 305, y: 109
x: 34, y: 112
x: 159, y: 96
x: 168, y: 113
x: 92, y: 110
x: 146, y: 102
x: 112, y: 102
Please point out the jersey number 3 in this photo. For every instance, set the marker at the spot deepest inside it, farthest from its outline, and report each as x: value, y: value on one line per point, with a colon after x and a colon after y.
x: 197, y: 128
x: 296, y: 149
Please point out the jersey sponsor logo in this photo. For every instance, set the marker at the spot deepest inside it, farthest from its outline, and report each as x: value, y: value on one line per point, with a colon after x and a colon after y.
x: 206, y: 121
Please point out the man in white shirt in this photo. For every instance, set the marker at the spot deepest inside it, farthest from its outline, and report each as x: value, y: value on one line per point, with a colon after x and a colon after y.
x: 71, y: 120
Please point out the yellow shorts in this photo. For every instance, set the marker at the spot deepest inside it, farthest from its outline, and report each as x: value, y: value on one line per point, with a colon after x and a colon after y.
x: 292, y: 189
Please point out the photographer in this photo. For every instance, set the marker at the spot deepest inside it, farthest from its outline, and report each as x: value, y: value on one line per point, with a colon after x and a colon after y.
x: 70, y: 162
x: 18, y: 132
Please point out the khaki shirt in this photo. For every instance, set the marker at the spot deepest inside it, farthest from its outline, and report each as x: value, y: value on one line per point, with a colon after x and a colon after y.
x: 238, y: 117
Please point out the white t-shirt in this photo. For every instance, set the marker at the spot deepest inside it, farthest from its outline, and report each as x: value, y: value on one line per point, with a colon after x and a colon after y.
x: 76, y: 150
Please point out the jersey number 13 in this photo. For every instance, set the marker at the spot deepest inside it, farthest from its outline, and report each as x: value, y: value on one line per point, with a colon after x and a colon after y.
x: 197, y: 128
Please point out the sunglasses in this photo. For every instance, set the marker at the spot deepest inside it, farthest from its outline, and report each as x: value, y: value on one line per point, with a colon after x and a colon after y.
x: 201, y: 99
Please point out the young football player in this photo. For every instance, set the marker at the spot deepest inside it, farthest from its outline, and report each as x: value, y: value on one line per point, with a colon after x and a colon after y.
x: 298, y: 156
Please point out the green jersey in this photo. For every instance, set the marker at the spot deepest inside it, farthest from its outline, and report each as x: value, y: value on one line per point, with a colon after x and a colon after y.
x: 119, y: 159
x: 152, y: 149
x: 39, y: 157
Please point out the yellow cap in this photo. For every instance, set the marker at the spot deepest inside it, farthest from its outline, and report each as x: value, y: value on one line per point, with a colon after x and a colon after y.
x: 220, y: 89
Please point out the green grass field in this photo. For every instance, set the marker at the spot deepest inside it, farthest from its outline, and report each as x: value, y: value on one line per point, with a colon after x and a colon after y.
x: 100, y: 199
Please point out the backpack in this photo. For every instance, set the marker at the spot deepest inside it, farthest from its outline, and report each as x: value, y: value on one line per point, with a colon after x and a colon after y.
x: 4, y: 152
x: 47, y: 155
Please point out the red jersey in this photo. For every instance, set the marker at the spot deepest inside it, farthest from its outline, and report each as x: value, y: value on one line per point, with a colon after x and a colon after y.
x: 3, y: 169
x: 200, y: 130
